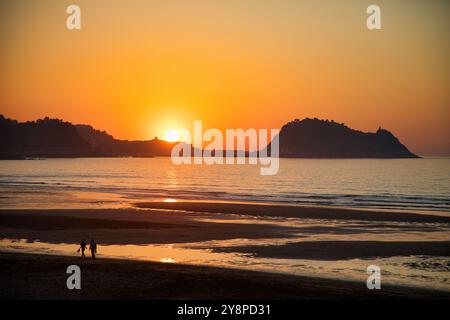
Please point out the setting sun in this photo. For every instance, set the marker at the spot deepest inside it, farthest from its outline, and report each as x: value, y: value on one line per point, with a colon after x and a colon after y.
x: 172, y: 136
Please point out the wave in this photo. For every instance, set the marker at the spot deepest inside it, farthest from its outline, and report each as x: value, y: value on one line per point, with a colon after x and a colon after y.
x: 193, y: 192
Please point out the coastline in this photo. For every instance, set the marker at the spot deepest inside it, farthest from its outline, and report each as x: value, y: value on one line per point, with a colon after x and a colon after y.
x: 43, y: 277
x: 296, y: 211
x: 240, y: 237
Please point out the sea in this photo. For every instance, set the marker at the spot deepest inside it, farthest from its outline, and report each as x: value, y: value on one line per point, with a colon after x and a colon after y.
x: 384, y: 184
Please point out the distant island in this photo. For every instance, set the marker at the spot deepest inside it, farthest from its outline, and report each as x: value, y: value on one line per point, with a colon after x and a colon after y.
x: 315, y: 138
x: 307, y: 138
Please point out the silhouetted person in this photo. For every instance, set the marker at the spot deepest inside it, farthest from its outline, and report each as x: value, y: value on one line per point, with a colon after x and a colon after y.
x: 93, y: 248
x: 83, y: 245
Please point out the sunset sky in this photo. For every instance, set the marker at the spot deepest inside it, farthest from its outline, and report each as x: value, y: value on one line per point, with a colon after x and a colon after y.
x: 140, y: 68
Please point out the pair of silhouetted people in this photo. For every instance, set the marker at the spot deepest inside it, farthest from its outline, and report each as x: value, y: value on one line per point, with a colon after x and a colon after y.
x: 92, y: 248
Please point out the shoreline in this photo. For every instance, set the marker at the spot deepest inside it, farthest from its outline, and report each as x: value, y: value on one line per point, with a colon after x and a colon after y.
x: 188, y: 222
x: 43, y: 277
x: 295, y: 211
x: 234, y: 236
x: 304, y: 206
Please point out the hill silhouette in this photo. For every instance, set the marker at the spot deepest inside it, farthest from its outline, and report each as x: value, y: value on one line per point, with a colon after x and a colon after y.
x: 106, y: 144
x: 56, y: 138
x: 42, y: 138
x: 315, y: 138
x: 308, y: 138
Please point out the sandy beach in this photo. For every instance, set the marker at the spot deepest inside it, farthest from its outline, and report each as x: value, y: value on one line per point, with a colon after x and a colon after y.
x: 184, y: 222
x: 228, y: 228
x: 29, y: 276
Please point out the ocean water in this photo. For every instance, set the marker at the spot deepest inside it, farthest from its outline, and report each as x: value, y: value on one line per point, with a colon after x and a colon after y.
x: 403, y: 184
x: 394, y: 184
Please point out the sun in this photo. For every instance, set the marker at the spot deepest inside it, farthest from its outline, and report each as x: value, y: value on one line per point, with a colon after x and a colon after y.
x: 172, y: 136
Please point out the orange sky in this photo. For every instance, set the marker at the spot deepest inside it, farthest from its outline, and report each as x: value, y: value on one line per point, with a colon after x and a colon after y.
x: 140, y: 68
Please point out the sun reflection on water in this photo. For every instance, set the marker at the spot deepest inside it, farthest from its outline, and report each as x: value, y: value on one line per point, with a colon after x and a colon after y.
x: 170, y: 200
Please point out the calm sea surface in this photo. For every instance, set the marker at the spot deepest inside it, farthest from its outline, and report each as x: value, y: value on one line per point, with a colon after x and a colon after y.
x: 399, y: 184
x: 409, y: 184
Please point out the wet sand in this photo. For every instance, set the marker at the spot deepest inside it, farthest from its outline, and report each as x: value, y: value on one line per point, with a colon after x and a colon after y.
x: 30, y: 276
x: 342, y: 250
x: 127, y: 226
x: 288, y: 211
x: 170, y: 224
x: 39, y: 276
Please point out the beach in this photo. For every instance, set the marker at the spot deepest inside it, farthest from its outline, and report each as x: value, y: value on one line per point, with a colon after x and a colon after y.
x: 29, y: 276
x: 206, y: 250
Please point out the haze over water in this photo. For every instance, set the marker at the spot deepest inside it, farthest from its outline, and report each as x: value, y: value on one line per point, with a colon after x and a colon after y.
x: 398, y: 184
